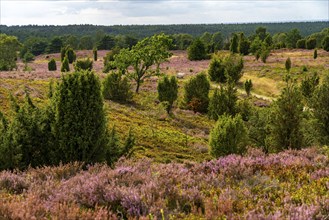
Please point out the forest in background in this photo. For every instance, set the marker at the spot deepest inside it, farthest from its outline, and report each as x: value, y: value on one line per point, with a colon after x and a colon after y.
x: 141, y: 31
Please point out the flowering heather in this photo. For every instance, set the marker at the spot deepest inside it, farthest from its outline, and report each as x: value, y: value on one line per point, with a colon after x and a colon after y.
x: 288, y: 185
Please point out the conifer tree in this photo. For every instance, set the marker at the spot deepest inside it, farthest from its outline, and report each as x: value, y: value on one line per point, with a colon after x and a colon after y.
x: 95, y: 54
x: 234, y: 44
x: 52, y: 65
x: 288, y: 64
x: 168, y: 91
x: 65, y: 67
x: 248, y: 86
x: 315, y: 54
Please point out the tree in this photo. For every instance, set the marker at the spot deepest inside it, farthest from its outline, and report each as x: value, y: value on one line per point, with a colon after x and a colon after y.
x: 65, y: 67
x: 248, y: 86
x: 309, y: 85
x: 261, y: 33
x: 292, y: 37
x: 70, y: 54
x: 286, y: 118
x: 117, y: 88
x: 86, y: 43
x: 168, y: 91
x: 223, y: 101
x: 55, y: 45
x: 228, y: 136
x: 197, y: 50
x: 52, y: 65
x: 35, y: 45
x: 315, y: 54
x: 206, y: 39
x: 264, y: 52
x: 80, y: 121
x: 244, y: 44
x: 217, y: 41
x: 288, y: 64
x: 150, y: 51
x: 310, y: 43
x: 9, y: 46
x: 196, y: 95
x: 320, y: 106
x: 301, y: 44
x: 325, y: 43
x: 106, y: 43
x: 234, y: 44
x: 216, y: 70
x: 233, y: 67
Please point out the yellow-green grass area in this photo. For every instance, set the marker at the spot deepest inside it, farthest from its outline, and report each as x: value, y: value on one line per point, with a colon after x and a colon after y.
x: 37, y: 89
x: 182, y: 136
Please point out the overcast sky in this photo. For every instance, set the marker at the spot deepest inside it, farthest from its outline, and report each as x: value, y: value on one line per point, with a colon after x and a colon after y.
x: 111, y: 12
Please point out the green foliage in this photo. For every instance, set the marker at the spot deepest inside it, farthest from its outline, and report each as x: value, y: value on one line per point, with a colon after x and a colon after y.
x: 301, y: 44
x: 228, y: 136
x: 9, y: 45
x: 65, y: 67
x: 223, y: 101
x: 95, y: 54
x: 315, y: 54
x: 128, y: 145
x: 55, y: 45
x: 320, y: 103
x: 109, y: 63
x: 70, y: 54
x: 117, y: 88
x: 309, y: 85
x: 35, y: 45
x: 292, y: 37
x: 325, y: 43
x: 168, y: 91
x: 106, y: 43
x: 28, y: 57
x: 286, y: 118
x: 217, y: 41
x: 234, y: 44
x: 310, y: 43
x: 244, y: 44
x: 80, y: 122
x: 256, y: 45
x: 196, y: 95
x: 83, y: 64
x: 248, y: 86
x: 216, y: 70
x: 259, y: 129
x: 150, y: 51
x: 233, y: 67
x: 197, y: 50
x: 264, y: 53
x: 288, y: 64
x: 52, y: 65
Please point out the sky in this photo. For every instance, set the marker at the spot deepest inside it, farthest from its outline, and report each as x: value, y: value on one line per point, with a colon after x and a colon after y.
x: 124, y: 12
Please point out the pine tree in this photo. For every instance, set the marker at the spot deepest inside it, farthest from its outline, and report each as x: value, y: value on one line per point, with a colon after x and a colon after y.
x: 80, y: 122
x: 168, y: 91
x: 65, y: 67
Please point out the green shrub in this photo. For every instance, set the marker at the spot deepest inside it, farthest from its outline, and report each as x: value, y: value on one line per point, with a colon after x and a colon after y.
x: 168, y: 91
x: 223, y: 101
x: 196, y: 95
x: 70, y: 55
x: 52, y: 65
x: 83, y: 64
x: 216, y: 70
x: 28, y: 57
x: 248, y: 86
x: 80, y: 125
x: 229, y: 136
x: 309, y: 84
x: 301, y: 44
x: 288, y: 64
x: 310, y: 43
x: 315, y: 54
x: 197, y: 50
x: 325, y: 43
x: 233, y: 67
x: 117, y: 88
x: 109, y: 63
x: 65, y: 67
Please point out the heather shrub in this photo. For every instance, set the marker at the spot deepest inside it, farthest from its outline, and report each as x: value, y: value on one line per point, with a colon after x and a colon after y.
x: 228, y: 136
x: 168, y: 91
x: 12, y: 182
x: 117, y: 88
x: 83, y: 64
x: 196, y: 95
x: 52, y: 65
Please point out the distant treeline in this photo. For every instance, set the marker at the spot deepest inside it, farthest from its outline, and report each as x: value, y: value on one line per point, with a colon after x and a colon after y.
x: 141, y: 31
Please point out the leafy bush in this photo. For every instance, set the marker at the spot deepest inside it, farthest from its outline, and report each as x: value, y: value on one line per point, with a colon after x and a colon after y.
x: 310, y: 43
x: 228, y: 136
x: 168, y: 91
x: 28, y: 57
x: 109, y: 63
x: 83, y: 64
x: 52, y: 65
x: 197, y: 50
x: 196, y: 95
x: 301, y: 44
x: 117, y: 88
x: 325, y: 43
